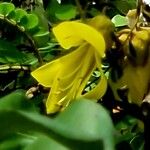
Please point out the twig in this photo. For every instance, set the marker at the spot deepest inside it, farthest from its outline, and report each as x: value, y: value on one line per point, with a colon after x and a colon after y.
x: 81, y: 11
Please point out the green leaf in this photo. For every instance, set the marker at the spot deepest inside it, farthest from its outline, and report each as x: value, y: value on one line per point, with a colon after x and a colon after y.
x: 83, y: 125
x: 31, y: 59
x: 17, y: 100
x: 16, y: 15
x: 94, y: 123
x: 66, y: 12
x: 10, y: 54
x: 41, y: 38
x: 19, y: 14
x: 16, y: 141
x: 41, y: 14
x: 53, y: 5
x: 30, y: 142
x: 119, y: 21
x: 57, y: 11
x: 6, y: 8
x: 29, y: 21
x: 45, y: 143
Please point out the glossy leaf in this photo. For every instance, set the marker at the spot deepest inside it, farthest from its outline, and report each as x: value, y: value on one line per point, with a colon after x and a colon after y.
x: 29, y: 21
x: 19, y: 14
x: 120, y: 21
x: 6, y: 8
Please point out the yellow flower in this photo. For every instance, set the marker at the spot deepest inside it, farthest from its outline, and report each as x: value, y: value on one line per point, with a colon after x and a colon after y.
x: 67, y: 76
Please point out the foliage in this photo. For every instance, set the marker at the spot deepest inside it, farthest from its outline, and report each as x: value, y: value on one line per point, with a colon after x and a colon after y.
x: 33, y: 128
x: 69, y: 72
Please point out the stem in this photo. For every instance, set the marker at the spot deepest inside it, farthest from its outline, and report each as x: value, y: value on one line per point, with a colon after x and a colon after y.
x: 81, y: 11
x: 32, y: 43
x: 14, y: 67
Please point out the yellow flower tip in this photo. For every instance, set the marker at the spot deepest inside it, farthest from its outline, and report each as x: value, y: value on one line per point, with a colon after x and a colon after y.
x: 72, y: 33
x: 65, y: 36
x: 52, y: 109
x: 54, y: 106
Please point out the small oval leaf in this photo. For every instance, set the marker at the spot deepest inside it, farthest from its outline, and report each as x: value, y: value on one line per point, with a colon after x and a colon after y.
x: 6, y: 8
x: 119, y: 21
x: 66, y: 12
x: 19, y: 14
x: 29, y: 21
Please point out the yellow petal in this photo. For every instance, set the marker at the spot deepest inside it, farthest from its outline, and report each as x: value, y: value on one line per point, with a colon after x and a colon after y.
x: 67, y: 87
x: 67, y: 81
x: 68, y: 75
x: 45, y: 75
x: 87, y: 70
x: 73, y: 33
x: 101, y: 87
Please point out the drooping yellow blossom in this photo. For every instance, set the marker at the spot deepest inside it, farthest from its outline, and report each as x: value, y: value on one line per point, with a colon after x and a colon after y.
x: 67, y: 76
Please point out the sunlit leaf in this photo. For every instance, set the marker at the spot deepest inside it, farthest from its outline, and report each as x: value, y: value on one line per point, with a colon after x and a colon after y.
x: 6, y: 8
x: 29, y: 21
x: 120, y: 21
x: 19, y: 14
